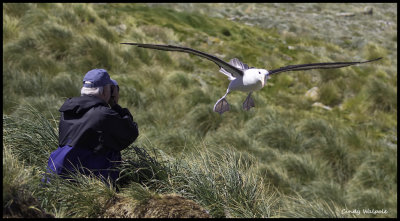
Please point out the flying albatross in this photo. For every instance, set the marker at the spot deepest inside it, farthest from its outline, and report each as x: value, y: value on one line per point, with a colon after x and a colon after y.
x: 241, y: 76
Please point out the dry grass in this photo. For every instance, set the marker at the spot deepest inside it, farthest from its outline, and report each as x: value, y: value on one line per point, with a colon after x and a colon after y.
x: 343, y: 157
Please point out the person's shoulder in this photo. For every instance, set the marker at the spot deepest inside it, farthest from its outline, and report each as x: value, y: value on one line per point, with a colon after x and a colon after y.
x: 100, y: 114
x: 104, y: 110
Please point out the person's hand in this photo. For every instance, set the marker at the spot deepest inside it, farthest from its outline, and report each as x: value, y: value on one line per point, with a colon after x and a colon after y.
x: 114, y: 96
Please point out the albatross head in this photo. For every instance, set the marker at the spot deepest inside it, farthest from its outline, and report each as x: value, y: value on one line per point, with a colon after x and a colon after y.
x: 263, y: 76
x: 255, y: 78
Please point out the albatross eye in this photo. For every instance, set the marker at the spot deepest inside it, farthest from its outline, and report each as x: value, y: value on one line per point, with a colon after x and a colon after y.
x: 259, y: 72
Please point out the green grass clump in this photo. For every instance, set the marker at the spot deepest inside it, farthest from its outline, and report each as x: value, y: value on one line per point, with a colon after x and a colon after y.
x: 330, y: 94
x: 327, y: 191
x: 39, y: 134
x: 225, y: 183
x: 87, y: 196
x: 382, y: 97
x: 138, y: 166
x: 10, y: 28
x: 317, y: 208
x: 302, y: 168
x: 316, y: 161
x: 18, y: 196
x: 378, y: 172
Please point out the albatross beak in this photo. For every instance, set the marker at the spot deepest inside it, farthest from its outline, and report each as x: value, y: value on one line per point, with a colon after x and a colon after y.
x: 266, y: 77
x: 263, y: 80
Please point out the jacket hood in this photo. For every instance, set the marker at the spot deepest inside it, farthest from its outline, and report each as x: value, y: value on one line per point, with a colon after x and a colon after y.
x: 80, y: 105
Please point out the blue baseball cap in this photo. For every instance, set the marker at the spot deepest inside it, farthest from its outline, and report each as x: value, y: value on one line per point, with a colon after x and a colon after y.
x: 114, y: 82
x: 97, y: 78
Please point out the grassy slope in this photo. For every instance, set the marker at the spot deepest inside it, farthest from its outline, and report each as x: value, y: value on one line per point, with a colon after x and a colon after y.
x: 347, y: 155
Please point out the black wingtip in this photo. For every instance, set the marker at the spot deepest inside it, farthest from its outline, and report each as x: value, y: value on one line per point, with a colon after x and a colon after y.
x: 374, y: 59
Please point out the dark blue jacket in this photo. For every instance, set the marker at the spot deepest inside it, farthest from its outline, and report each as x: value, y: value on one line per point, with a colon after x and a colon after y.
x: 91, y: 136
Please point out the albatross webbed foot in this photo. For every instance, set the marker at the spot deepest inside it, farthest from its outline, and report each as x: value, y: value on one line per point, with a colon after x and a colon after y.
x: 248, y: 103
x: 221, y: 106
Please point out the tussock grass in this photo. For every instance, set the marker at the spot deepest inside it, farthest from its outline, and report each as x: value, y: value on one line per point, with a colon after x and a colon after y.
x: 138, y: 166
x: 17, y: 186
x: 95, y: 52
x: 378, y: 172
x: 318, y: 208
x: 10, y: 28
x: 333, y: 159
x: 66, y: 85
x: 26, y: 84
x: 17, y: 10
x: 327, y: 191
x: 330, y: 94
x: 87, y: 196
x: 383, y: 98
x: 32, y: 139
x: 224, y: 183
x: 283, y: 137
x: 139, y: 192
x: 301, y: 167
x: 55, y: 40
x: 204, y: 119
x: 277, y: 176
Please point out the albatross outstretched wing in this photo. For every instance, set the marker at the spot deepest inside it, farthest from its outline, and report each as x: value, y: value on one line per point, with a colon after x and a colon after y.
x: 237, y: 63
x: 300, y: 67
x: 236, y: 72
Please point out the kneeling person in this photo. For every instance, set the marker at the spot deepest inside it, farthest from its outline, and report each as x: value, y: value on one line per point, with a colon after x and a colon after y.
x: 93, y: 129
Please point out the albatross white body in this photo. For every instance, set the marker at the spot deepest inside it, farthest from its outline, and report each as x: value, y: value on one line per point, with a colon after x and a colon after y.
x: 253, y: 79
x: 243, y: 78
